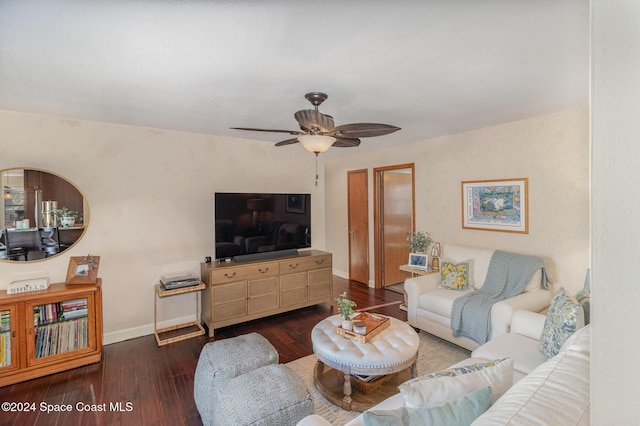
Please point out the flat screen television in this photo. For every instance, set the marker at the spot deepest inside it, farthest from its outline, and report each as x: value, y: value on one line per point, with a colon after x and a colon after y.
x: 252, y: 223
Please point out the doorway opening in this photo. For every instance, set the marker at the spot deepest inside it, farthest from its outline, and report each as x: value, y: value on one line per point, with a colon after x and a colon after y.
x: 394, y: 218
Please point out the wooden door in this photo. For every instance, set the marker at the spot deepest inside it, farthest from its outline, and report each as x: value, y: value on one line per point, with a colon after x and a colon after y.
x: 397, y: 223
x: 358, y: 205
x: 394, y: 220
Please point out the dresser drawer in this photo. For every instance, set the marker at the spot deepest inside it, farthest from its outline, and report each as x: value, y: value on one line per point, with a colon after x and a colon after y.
x: 237, y: 273
x: 304, y: 264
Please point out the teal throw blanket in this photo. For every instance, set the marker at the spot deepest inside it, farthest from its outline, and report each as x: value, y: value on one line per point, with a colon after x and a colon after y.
x: 507, y: 276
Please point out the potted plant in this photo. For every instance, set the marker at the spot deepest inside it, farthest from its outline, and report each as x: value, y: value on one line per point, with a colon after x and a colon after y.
x: 67, y: 218
x: 418, y: 241
x: 345, y: 309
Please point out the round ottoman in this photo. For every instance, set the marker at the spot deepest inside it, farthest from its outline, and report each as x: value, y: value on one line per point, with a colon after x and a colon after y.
x: 394, y: 350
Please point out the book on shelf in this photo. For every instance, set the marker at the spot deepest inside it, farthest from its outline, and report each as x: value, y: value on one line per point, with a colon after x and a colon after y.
x: 5, y: 321
x: 59, y: 311
x: 78, y: 313
x: 60, y: 337
x: 5, y: 349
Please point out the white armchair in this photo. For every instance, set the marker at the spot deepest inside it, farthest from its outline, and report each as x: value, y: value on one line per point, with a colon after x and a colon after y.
x: 429, y: 307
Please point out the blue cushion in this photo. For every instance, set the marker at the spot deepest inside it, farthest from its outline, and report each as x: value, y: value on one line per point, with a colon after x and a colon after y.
x: 460, y: 412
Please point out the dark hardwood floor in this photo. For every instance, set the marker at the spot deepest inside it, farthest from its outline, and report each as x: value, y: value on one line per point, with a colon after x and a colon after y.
x: 139, y: 383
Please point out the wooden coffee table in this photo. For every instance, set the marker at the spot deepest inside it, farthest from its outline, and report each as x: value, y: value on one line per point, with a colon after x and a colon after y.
x: 390, y: 356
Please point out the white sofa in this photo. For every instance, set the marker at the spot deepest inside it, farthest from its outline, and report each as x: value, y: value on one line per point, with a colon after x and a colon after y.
x: 429, y: 307
x: 555, y: 391
x: 521, y: 344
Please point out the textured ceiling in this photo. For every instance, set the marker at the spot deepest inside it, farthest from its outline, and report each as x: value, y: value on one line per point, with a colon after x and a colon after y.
x: 430, y: 67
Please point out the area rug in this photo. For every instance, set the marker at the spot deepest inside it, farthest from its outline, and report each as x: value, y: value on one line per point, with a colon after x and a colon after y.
x: 433, y: 354
x: 396, y: 288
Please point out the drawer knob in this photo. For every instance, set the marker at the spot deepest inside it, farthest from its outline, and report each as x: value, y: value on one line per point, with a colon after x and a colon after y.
x: 229, y: 276
x: 293, y: 266
x: 262, y: 271
x: 319, y: 262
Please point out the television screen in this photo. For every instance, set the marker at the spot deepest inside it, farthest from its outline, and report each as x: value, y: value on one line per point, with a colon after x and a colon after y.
x: 247, y: 223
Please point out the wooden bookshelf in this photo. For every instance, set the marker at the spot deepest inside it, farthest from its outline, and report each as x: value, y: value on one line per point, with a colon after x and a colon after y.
x: 48, y: 331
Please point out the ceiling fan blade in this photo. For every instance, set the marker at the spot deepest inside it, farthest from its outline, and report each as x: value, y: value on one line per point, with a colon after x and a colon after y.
x: 287, y: 142
x: 363, y: 130
x: 346, y: 142
x: 291, y: 132
x: 314, y: 121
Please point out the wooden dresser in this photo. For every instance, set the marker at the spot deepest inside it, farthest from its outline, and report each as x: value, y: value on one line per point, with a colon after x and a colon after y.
x: 238, y: 292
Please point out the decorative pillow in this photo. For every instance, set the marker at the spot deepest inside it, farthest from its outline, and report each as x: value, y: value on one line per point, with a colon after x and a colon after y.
x: 584, y: 299
x: 455, y: 276
x: 457, y: 412
x: 437, y: 388
x: 561, y: 322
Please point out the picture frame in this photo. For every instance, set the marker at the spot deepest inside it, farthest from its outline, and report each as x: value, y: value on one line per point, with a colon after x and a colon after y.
x: 419, y: 261
x: 496, y: 205
x: 296, y: 203
x: 83, y: 269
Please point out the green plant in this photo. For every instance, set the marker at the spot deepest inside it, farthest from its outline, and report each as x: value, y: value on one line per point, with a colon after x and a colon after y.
x: 418, y: 241
x: 65, y: 212
x: 345, y: 306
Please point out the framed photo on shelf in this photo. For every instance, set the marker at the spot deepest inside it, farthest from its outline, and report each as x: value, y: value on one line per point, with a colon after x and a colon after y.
x: 83, y: 269
x: 296, y: 203
x: 496, y: 205
x: 418, y: 260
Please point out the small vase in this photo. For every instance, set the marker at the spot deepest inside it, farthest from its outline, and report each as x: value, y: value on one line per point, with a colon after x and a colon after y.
x: 67, y: 222
x: 347, y: 325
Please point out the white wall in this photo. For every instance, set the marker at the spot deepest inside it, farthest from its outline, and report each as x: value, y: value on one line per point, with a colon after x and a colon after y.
x: 150, y: 194
x: 615, y: 115
x: 551, y: 151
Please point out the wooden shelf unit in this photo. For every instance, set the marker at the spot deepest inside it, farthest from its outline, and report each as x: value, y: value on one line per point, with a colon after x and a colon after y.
x: 181, y: 330
x: 37, y: 340
x: 239, y: 292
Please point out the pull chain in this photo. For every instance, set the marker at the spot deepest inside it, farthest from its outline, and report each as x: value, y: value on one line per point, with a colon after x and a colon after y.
x: 316, y: 166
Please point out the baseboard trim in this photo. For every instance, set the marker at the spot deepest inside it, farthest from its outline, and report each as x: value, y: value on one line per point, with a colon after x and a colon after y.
x: 143, y: 330
x: 345, y: 275
x: 341, y: 274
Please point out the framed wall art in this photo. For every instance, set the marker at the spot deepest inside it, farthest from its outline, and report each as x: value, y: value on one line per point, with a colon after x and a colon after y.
x: 296, y: 203
x: 418, y: 260
x: 83, y: 269
x: 496, y: 205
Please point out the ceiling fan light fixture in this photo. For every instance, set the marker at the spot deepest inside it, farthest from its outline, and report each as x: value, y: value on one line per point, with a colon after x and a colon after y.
x: 316, y: 143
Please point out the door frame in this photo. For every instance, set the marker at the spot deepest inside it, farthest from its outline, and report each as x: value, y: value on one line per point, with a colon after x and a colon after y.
x: 378, y: 208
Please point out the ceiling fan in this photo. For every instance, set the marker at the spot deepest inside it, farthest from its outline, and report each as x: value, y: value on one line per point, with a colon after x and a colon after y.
x: 318, y: 132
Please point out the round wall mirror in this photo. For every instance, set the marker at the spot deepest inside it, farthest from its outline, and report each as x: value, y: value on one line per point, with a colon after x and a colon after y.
x: 42, y: 215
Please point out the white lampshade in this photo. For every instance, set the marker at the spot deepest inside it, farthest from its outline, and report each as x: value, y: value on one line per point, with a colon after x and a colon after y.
x: 316, y: 143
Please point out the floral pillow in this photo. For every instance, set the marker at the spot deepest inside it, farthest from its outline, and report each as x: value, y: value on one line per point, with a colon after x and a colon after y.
x: 562, y: 321
x: 455, y: 276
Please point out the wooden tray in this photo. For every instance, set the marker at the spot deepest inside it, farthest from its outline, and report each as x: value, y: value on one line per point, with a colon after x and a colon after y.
x: 375, y: 324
